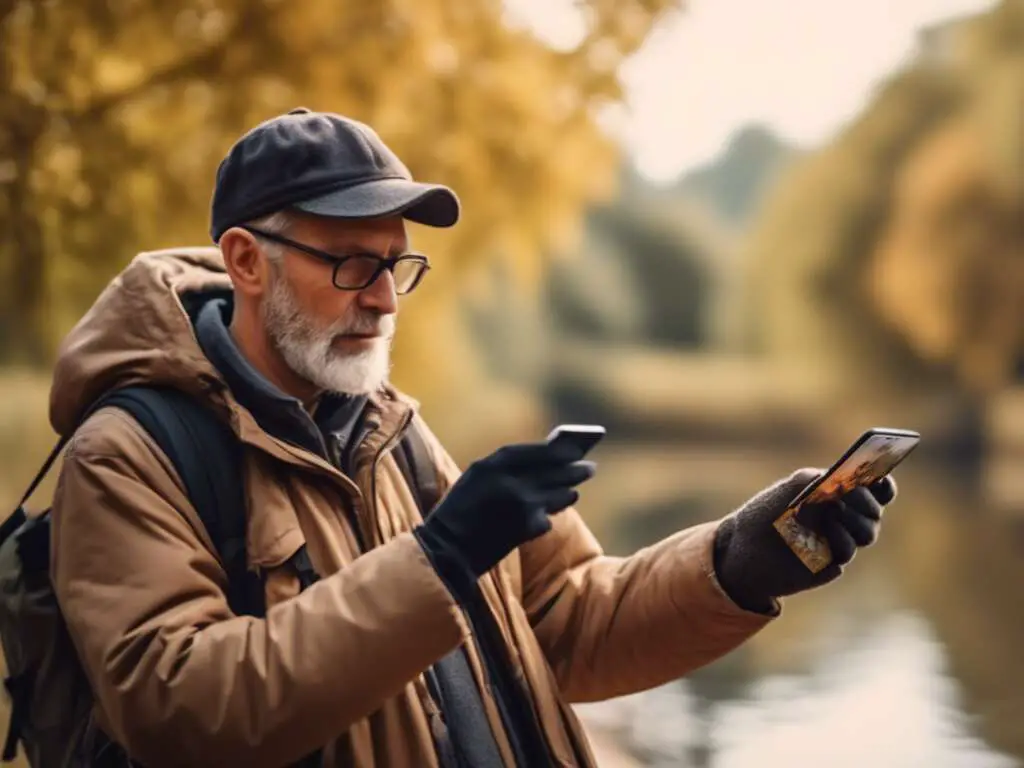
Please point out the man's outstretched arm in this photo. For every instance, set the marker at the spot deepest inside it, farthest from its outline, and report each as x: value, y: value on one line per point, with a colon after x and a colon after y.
x: 611, y: 626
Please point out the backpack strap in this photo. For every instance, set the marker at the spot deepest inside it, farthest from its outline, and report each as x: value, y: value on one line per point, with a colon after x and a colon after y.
x: 418, y: 468
x: 208, y: 457
x: 19, y: 517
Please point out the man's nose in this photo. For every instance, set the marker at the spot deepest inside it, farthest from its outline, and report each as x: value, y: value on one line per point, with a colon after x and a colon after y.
x: 380, y: 295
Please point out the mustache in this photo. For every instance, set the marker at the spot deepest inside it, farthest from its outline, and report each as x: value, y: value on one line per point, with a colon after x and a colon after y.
x: 365, y: 324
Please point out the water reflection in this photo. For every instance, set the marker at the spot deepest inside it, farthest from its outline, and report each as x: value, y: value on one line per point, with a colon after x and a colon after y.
x: 913, y: 658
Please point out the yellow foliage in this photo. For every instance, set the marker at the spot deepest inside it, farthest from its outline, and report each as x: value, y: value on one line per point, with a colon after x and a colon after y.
x: 115, y: 113
x: 899, y: 248
x: 948, y: 269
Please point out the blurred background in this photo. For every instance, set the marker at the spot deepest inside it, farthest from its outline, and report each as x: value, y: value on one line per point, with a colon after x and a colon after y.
x: 735, y: 233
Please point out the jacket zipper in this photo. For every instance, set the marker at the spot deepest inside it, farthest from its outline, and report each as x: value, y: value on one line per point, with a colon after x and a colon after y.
x: 356, y: 521
x: 387, y: 446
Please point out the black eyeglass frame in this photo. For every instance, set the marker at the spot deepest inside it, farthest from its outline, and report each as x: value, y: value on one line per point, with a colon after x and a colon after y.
x: 389, y: 262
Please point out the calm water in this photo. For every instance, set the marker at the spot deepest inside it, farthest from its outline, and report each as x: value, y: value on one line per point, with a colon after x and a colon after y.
x: 914, y: 658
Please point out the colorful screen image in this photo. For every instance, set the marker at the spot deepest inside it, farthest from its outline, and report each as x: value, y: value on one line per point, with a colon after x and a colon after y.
x: 870, y: 461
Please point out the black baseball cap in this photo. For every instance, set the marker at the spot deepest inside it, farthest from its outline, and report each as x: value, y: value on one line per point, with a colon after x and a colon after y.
x: 325, y: 164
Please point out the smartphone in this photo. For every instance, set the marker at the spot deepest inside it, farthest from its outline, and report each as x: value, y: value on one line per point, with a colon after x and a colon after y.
x: 583, y: 436
x: 874, y: 455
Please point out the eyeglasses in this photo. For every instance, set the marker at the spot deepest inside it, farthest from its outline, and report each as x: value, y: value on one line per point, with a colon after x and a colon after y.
x: 359, y: 270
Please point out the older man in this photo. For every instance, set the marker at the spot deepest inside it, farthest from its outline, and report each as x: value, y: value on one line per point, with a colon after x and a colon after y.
x: 452, y: 636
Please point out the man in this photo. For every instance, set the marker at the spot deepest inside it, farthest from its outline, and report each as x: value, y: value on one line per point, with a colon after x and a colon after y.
x: 455, y: 640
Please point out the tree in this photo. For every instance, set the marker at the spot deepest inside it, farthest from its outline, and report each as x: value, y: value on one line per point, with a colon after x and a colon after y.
x: 115, y: 113
x: 897, y: 248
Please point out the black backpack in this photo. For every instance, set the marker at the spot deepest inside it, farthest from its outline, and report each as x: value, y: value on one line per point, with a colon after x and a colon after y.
x: 51, y: 702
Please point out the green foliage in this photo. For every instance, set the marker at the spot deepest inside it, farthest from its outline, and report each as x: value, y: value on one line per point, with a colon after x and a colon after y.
x: 665, y: 268
x: 115, y: 113
x: 647, y: 276
x: 735, y: 183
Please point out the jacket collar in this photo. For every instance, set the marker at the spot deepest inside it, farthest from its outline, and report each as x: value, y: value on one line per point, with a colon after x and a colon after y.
x: 374, y: 421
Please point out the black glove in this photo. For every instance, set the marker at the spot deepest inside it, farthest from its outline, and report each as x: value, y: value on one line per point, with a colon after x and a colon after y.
x: 753, y: 563
x: 500, y: 502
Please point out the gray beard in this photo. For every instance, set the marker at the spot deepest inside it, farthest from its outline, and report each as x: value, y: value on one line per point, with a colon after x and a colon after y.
x: 308, y: 349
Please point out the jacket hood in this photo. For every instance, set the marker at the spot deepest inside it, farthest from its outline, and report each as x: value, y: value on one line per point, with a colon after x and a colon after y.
x: 138, y: 330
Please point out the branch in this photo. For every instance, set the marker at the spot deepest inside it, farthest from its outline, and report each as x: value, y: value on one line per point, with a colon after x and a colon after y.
x: 188, y: 67
x: 6, y: 9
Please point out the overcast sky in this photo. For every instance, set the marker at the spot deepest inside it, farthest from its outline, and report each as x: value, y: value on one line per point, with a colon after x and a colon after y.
x: 804, y: 67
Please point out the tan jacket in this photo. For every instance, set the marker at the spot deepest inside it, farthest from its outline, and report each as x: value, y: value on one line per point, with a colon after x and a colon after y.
x: 179, y: 680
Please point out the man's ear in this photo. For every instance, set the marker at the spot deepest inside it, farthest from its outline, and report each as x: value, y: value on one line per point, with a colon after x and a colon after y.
x: 246, y: 262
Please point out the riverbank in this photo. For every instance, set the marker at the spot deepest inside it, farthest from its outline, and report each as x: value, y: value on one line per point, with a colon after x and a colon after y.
x: 648, y: 395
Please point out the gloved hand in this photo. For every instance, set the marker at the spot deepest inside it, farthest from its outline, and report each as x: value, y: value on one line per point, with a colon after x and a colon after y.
x: 753, y: 563
x: 500, y: 502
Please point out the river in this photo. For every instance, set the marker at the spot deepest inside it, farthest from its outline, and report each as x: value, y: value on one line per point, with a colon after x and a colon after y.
x: 915, y: 657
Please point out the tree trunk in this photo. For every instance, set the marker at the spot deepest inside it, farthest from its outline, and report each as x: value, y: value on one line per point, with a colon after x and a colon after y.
x: 23, y: 337
x: 24, y: 317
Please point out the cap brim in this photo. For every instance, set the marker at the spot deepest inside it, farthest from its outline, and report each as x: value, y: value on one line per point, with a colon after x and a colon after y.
x: 432, y: 204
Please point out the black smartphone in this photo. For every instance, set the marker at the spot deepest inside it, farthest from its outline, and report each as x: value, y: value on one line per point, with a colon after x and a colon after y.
x: 872, y: 456
x: 582, y: 436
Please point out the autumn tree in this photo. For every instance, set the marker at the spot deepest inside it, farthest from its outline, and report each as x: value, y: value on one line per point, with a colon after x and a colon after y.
x: 898, y: 249
x: 115, y: 113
